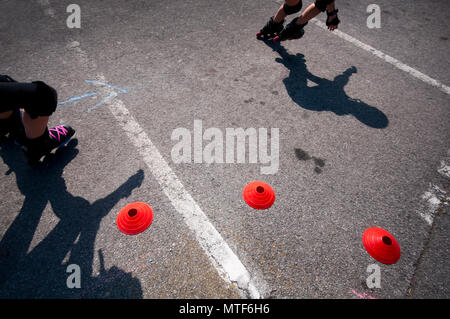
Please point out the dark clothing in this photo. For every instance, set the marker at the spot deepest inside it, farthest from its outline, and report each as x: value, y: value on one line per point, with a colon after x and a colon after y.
x: 322, y: 4
x: 37, y: 98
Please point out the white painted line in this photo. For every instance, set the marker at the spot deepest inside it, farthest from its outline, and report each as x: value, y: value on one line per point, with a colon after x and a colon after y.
x: 444, y: 170
x: 433, y: 198
x: 423, y: 77
x: 226, y: 262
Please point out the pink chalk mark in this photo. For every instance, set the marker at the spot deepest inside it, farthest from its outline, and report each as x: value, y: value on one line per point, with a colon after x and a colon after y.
x: 363, y: 296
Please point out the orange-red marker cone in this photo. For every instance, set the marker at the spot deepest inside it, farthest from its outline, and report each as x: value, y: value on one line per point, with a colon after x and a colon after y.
x: 259, y: 195
x: 381, y: 245
x: 134, y: 218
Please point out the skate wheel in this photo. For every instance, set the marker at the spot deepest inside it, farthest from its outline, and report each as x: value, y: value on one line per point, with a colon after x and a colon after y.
x: 259, y: 34
x: 276, y: 39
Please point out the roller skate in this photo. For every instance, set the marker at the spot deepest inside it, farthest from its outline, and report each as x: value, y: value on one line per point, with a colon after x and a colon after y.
x: 292, y: 31
x: 270, y: 30
x: 42, y: 146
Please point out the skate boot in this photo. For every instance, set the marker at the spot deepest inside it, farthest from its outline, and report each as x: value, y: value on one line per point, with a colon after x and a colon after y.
x: 53, y: 138
x: 11, y: 129
x: 270, y: 30
x: 292, y: 31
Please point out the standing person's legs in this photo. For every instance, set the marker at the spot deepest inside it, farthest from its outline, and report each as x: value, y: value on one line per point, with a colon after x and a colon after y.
x: 289, y: 7
x: 294, y: 30
x: 311, y: 12
x: 33, y: 127
x: 29, y: 126
x: 315, y: 9
x: 275, y: 24
x: 37, y: 99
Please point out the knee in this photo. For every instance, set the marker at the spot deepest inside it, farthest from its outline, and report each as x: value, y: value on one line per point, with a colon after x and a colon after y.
x: 322, y: 4
x: 45, y: 102
x: 292, y: 6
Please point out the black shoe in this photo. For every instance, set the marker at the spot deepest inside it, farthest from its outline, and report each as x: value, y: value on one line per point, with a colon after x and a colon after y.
x: 271, y: 29
x: 292, y: 31
x: 53, y: 138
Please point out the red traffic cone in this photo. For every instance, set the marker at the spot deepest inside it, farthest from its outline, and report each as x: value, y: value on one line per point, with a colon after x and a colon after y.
x: 134, y: 218
x: 258, y: 195
x: 381, y: 245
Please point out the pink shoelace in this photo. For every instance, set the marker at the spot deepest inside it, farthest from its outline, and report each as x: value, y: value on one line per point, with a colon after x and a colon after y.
x: 57, y: 132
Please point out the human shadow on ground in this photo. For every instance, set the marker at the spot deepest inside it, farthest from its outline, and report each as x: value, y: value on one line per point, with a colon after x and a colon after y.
x: 326, y: 95
x: 42, y: 272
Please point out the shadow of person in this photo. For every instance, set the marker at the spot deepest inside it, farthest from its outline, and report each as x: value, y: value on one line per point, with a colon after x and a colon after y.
x: 113, y: 283
x: 41, y: 272
x: 325, y: 95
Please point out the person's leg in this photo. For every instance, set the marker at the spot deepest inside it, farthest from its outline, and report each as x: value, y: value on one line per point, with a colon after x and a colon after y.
x: 275, y: 24
x: 289, y: 7
x: 34, y: 127
x: 311, y: 12
x: 28, y: 126
x: 5, y: 124
x: 315, y: 9
x: 37, y: 98
x: 5, y: 115
x: 11, y: 125
x: 294, y: 30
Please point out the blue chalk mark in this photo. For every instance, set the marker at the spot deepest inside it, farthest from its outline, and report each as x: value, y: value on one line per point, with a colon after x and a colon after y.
x: 111, y: 95
x: 107, y: 85
x: 76, y: 98
x: 116, y: 89
x: 102, y: 101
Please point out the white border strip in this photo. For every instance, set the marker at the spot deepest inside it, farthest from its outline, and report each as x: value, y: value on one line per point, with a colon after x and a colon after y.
x: 399, y: 65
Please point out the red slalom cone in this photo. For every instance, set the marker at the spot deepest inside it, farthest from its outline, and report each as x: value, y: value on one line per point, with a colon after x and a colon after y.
x: 258, y: 195
x: 381, y: 245
x: 134, y: 218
